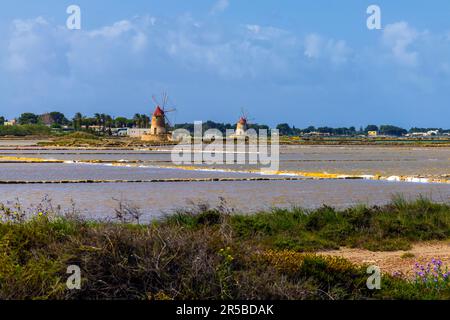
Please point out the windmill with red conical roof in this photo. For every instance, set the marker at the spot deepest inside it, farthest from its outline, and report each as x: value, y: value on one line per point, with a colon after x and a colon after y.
x: 159, y: 117
x: 242, y: 124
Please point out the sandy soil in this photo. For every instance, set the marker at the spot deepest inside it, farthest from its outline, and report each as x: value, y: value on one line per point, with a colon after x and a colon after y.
x: 390, y: 262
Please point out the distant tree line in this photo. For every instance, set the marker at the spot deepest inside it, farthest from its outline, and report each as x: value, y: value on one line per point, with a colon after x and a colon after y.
x: 80, y: 121
x: 222, y: 127
x: 389, y: 130
x: 105, y: 122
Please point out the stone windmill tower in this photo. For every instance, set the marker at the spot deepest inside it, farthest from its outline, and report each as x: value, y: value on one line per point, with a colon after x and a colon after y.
x: 159, y: 124
x: 159, y: 118
x: 242, y: 125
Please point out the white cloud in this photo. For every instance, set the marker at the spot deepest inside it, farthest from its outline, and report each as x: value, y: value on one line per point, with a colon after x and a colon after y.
x: 43, y: 62
x: 220, y: 6
x: 139, y: 41
x: 313, y: 46
x: 254, y: 28
x: 34, y: 45
x: 269, y: 33
x: 113, y: 31
x: 398, y: 37
x: 316, y: 47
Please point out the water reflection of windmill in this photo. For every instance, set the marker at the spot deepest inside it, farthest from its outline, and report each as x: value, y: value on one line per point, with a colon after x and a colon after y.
x: 160, y: 122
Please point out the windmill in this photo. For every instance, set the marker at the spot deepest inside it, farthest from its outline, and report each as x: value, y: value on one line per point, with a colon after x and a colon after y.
x: 159, y: 117
x: 242, y: 124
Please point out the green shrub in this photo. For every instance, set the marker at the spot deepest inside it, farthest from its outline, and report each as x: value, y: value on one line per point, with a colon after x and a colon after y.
x: 211, y: 254
x: 25, y: 130
x: 80, y: 135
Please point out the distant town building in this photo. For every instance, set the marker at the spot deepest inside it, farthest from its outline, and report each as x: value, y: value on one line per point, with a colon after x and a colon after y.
x: 119, y: 132
x: 429, y: 133
x: 137, y: 132
x: 319, y: 134
x: 372, y: 133
x: 95, y: 128
x: 12, y: 122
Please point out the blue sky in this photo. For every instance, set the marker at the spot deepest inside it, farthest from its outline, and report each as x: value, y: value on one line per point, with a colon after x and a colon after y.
x: 301, y: 62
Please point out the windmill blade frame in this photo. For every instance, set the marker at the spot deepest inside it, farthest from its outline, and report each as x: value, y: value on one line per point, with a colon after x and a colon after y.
x: 167, y: 120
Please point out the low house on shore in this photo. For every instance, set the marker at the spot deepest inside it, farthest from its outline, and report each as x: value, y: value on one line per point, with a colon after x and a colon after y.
x: 137, y: 132
x: 12, y: 122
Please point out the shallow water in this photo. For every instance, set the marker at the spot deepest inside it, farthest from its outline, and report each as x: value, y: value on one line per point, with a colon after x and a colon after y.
x: 363, y: 160
x: 154, y: 199
x: 82, y: 171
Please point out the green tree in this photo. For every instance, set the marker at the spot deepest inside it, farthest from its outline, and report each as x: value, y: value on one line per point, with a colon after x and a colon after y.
x: 28, y: 118
x: 98, y: 119
x: 103, y: 118
x: 137, y: 120
x: 310, y: 129
x: 2, y: 121
x: 59, y: 118
x: 88, y: 122
x: 371, y: 127
x: 145, y: 120
x: 284, y: 129
x: 108, y: 123
x: 120, y: 122
x: 392, y: 130
x: 78, y: 121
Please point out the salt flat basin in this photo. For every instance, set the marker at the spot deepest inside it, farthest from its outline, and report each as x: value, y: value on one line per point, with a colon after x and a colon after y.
x: 157, y: 198
x: 19, y: 142
x: 359, y: 160
x: 96, y: 201
x: 68, y: 171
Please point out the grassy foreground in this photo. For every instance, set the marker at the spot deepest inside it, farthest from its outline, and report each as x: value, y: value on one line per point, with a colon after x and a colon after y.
x: 215, y: 253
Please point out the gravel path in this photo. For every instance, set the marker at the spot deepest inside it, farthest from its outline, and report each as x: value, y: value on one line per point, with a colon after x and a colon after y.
x: 395, y: 261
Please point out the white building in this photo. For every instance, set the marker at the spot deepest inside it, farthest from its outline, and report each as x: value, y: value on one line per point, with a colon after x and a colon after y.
x: 12, y: 122
x: 137, y: 132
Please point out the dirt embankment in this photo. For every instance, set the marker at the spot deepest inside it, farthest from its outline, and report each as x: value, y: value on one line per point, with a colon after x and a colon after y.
x: 398, y: 261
